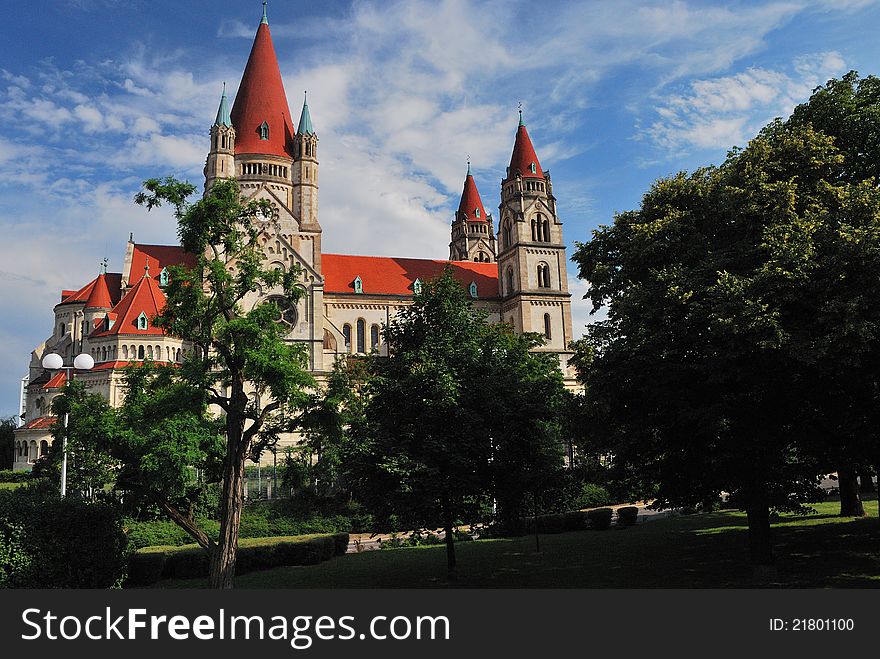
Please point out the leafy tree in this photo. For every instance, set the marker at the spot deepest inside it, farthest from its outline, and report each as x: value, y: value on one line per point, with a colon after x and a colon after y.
x: 459, y: 411
x: 241, y: 365
x: 707, y: 375
x: 848, y: 111
x: 7, y: 443
x: 91, y: 424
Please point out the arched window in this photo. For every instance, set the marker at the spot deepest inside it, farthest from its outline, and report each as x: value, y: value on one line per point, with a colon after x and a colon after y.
x: 125, y: 352
x: 264, y: 131
x: 44, y: 447
x: 142, y: 322
x: 509, y: 281
x: 374, y: 337
x: 32, y: 457
x: 543, y: 275
x: 104, y: 354
x: 361, y: 335
x: 140, y: 352
x: 535, y: 230
x: 346, y: 334
x: 163, y: 277
x: 62, y: 329
x: 472, y: 289
x: 507, y: 236
x: 533, y: 168
x: 547, y: 333
x: 545, y: 226
x: 149, y: 352
x: 358, y: 284
x: 417, y: 286
x: 178, y: 354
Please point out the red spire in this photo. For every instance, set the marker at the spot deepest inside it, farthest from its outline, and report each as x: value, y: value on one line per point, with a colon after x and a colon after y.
x: 99, y: 297
x: 471, y: 206
x: 261, y: 98
x: 524, y: 155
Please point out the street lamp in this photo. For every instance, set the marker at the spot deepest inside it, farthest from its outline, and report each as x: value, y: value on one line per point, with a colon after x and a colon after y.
x: 54, y: 362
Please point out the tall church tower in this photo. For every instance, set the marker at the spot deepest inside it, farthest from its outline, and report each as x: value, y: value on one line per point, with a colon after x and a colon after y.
x: 264, y: 133
x: 221, y: 158
x: 472, y: 229
x: 532, y: 276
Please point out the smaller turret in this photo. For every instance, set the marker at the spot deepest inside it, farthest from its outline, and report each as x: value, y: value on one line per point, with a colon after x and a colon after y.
x: 473, y: 238
x: 221, y: 158
x: 305, y: 169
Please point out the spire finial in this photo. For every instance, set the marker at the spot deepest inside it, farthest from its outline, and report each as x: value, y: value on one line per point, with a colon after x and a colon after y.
x: 104, y: 266
x: 131, y: 237
x: 520, y: 114
x: 147, y: 266
x: 265, y: 18
x: 469, y: 165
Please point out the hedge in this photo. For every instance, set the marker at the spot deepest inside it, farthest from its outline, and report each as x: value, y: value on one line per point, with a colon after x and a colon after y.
x: 152, y: 564
x: 9, y: 476
x: 627, y: 515
x: 600, y: 518
x: 48, y: 542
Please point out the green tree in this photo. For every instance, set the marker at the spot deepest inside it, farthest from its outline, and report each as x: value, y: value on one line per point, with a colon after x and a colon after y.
x: 7, y: 443
x: 241, y: 363
x: 707, y: 375
x: 91, y: 424
x: 461, y: 410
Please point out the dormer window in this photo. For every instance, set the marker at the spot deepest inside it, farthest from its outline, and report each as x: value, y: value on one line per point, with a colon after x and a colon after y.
x: 358, y: 285
x: 533, y: 168
x: 417, y: 286
x: 142, y: 322
x: 163, y: 277
x: 472, y: 289
x: 477, y: 212
x: 264, y: 131
x: 108, y: 322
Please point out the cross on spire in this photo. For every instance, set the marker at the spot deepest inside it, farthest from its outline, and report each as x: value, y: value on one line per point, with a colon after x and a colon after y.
x: 265, y: 18
x: 520, y: 114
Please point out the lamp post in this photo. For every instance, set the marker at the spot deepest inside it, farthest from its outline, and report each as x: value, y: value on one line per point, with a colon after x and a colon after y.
x: 54, y: 362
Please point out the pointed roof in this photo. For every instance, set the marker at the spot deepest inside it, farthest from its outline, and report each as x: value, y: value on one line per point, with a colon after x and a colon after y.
x: 159, y: 257
x: 261, y: 98
x: 112, y: 281
x: 305, y: 119
x: 99, y: 297
x: 524, y: 155
x: 470, y: 200
x: 146, y: 298
x: 223, y: 118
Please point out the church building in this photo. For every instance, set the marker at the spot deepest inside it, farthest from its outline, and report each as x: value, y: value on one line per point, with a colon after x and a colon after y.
x: 516, y: 271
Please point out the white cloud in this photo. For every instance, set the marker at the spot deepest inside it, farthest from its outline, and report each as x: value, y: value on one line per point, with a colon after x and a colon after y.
x: 719, y: 113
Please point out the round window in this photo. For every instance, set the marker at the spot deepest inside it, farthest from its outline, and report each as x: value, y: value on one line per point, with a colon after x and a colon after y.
x: 287, y: 315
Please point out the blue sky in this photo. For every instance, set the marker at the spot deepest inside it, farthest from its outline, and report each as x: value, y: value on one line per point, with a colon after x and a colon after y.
x: 96, y: 95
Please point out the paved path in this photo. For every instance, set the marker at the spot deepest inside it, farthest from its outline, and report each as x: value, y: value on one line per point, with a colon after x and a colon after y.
x: 359, y: 542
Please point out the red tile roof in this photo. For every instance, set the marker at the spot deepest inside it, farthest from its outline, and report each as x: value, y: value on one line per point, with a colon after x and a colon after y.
x: 523, y: 156
x: 106, y: 366
x: 382, y: 275
x: 112, y: 281
x: 99, y: 296
x: 261, y: 98
x: 159, y: 257
x: 57, y: 381
x: 471, y: 202
x: 144, y: 297
x: 40, y: 423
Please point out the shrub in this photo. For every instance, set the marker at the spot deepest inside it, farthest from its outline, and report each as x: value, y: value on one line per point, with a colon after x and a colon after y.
x: 9, y: 476
x: 576, y: 521
x: 59, y: 543
x: 147, y: 566
x: 600, y: 518
x: 340, y: 543
x: 592, y: 495
x: 627, y: 515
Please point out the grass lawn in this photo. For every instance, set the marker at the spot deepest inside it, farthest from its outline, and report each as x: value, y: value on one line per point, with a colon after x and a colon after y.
x: 684, y: 551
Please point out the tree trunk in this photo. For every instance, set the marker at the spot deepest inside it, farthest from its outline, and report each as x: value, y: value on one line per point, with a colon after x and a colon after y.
x: 866, y: 482
x: 760, y: 541
x: 222, y: 567
x: 450, y: 539
x: 850, y: 502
